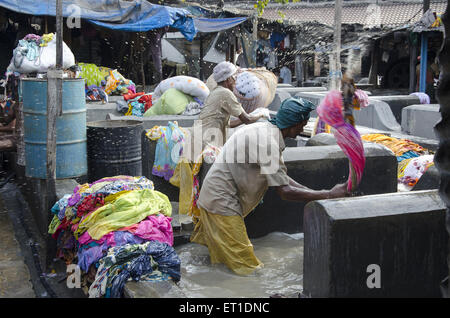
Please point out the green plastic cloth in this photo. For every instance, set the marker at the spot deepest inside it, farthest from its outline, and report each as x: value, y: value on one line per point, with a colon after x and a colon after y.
x: 130, y: 208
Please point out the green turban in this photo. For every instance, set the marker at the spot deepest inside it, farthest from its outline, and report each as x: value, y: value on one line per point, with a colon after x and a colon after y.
x: 292, y: 111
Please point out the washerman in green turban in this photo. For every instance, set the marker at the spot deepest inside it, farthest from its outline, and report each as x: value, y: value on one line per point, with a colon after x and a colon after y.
x: 292, y: 111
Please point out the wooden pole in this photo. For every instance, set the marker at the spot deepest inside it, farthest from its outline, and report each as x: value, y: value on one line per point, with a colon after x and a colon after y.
x: 412, y: 66
x: 201, y: 58
x: 54, y: 109
x: 335, y: 68
x: 424, y: 53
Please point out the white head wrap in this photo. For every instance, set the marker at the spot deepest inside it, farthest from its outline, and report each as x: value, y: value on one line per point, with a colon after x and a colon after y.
x: 223, y: 71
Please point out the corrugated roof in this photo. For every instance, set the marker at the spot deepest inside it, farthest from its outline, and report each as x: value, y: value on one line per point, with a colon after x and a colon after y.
x: 386, y: 13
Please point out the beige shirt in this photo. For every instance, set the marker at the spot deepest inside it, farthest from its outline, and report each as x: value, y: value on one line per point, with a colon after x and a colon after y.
x: 215, y: 115
x: 242, y: 173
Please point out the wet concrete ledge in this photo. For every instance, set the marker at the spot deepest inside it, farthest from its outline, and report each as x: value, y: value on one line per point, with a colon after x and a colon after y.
x: 402, y: 233
x: 419, y: 120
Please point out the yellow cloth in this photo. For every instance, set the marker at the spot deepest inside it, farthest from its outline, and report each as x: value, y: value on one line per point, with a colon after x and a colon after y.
x: 46, y: 38
x: 316, y: 123
x: 398, y: 146
x: 113, y: 197
x: 227, y: 241
x: 128, y: 209
x: 53, y: 225
x: 183, y: 178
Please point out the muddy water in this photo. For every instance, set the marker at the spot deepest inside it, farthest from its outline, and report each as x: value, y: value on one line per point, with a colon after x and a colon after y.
x: 282, y: 255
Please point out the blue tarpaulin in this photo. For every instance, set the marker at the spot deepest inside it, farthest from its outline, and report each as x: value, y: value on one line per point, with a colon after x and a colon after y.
x: 136, y: 15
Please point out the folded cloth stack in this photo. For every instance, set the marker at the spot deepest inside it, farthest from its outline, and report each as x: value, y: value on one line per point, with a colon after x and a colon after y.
x: 115, y: 212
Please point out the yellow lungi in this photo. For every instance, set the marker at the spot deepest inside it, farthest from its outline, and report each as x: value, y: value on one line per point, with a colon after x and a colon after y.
x: 227, y: 241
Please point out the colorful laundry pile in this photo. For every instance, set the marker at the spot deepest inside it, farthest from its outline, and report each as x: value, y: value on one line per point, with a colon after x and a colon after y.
x: 116, y: 229
x: 116, y: 84
x: 134, y: 104
x: 95, y: 93
x: 413, y: 160
x: 93, y: 74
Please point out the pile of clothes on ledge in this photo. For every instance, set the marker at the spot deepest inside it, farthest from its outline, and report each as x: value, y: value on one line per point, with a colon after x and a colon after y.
x: 116, y: 229
x: 413, y: 160
x: 102, y: 81
x: 179, y: 95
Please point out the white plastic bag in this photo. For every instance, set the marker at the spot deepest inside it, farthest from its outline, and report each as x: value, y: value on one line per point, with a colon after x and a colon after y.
x: 45, y: 60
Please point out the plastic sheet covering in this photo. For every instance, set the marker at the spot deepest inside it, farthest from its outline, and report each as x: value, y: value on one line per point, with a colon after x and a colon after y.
x: 135, y: 15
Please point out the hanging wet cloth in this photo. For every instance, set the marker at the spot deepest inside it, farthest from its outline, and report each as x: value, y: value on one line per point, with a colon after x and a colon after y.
x: 330, y: 111
x: 169, y: 148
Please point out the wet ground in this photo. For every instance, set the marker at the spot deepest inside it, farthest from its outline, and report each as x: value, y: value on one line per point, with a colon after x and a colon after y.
x: 22, y: 274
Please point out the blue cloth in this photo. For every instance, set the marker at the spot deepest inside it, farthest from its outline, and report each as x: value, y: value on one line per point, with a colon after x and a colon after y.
x: 276, y: 38
x: 92, y: 254
x: 59, y: 208
x: 407, y: 155
x: 292, y: 111
x: 140, y: 262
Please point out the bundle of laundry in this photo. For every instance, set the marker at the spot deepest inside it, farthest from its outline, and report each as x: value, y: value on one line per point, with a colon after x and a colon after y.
x: 97, y: 220
x: 93, y: 74
x: 188, y: 85
x: 423, y: 97
x: 134, y: 104
x: 255, y: 87
x: 95, y: 93
x: 116, y: 84
x: 413, y: 160
x: 175, y: 102
x: 37, y: 54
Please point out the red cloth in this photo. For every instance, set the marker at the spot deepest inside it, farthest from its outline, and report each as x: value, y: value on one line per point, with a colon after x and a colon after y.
x: 147, y: 100
x: 131, y: 95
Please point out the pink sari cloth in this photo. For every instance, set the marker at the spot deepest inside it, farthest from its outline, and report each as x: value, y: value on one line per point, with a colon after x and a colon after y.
x: 347, y: 137
x: 153, y: 228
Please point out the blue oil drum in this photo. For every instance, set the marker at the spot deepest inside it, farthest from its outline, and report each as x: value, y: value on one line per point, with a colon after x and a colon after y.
x: 71, y: 158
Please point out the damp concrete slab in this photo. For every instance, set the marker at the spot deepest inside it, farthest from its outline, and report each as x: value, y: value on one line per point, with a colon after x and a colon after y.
x: 15, y: 280
x: 387, y: 245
